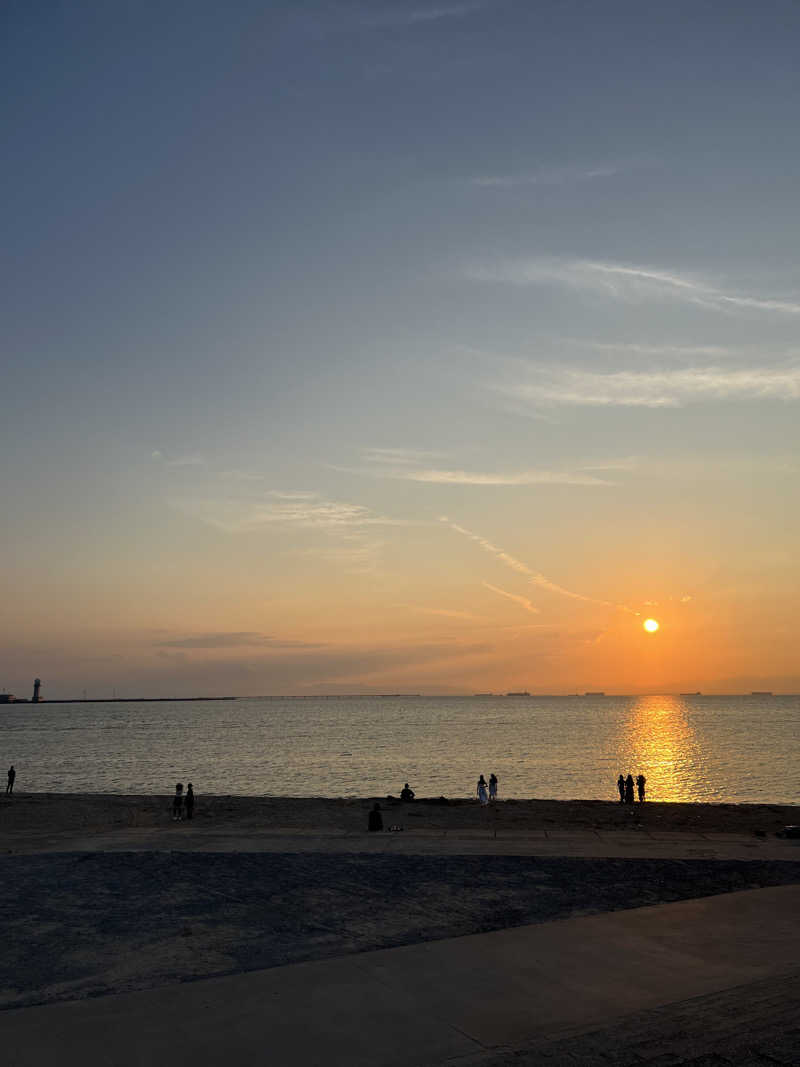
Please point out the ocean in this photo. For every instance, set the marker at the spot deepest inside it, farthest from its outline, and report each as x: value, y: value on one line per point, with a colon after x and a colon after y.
x: 716, y: 748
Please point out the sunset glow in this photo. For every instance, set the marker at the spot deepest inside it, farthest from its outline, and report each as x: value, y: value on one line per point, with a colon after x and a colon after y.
x: 331, y: 381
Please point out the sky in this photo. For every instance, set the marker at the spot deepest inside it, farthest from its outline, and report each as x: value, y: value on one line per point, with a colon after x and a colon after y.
x: 423, y: 346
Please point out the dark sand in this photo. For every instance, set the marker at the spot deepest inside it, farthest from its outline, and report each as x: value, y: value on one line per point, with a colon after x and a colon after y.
x: 27, y: 815
x: 80, y: 922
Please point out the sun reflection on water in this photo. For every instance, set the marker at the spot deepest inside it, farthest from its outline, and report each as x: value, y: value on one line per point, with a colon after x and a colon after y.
x: 659, y: 742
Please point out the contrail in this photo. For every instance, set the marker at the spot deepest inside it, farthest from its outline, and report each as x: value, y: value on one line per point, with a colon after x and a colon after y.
x: 523, y: 600
x: 534, y: 577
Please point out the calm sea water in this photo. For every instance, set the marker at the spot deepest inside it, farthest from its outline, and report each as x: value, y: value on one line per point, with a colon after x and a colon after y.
x: 689, y: 748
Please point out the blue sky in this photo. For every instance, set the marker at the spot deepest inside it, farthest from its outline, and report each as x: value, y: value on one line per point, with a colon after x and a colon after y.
x: 291, y: 283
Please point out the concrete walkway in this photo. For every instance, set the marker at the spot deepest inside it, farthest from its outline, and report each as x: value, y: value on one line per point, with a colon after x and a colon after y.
x: 461, y: 1001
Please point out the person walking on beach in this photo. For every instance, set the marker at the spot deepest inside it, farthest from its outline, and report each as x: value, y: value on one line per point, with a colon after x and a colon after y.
x: 629, y: 789
x: 492, y: 787
x: 177, y: 803
x: 189, y: 802
x: 483, y: 795
x: 12, y: 774
x: 621, y: 787
x: 641, y: 781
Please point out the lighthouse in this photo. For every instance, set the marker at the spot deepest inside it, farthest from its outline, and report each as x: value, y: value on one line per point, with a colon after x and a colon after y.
x: 36, y: 686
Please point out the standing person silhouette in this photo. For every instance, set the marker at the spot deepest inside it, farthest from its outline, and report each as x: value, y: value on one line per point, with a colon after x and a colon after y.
x: 189, y: 801
x: 629, y: 789
x: 483, y: 796
x: 621, y: 787
x: 12, y: 774
x: 177, y: 803
x: 641, y: 781
x: 492, y: 787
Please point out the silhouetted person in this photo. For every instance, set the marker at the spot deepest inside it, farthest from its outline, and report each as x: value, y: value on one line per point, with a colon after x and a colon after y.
x: 189, y: 801
x: 375, y: 818
x: 621, y: 787
x: 483, y: 796
x: 406, y: 793
x: 492, y: 787
x: 12, y: 774
x: 177, y: 802
x: 641, y: 781
x: 629, y: 789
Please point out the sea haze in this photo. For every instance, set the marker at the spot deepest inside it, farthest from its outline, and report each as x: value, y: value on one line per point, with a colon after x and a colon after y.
x: 721, y: 748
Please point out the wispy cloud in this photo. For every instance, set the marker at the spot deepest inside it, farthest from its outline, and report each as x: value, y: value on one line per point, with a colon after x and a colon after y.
x: 626, y: 282
x: 533, y: 576
x: 655, y: 351
x: 568, y: 386
x: 176, y: 462
x: 500, y: 478
x: 446, y: 613
x: 403, y: 465
x: 523, y: 601
x: 297, y: 508
x: 241, y: 639
x: 547, y: 176
x: 420, y: 14
x: 397, y: 456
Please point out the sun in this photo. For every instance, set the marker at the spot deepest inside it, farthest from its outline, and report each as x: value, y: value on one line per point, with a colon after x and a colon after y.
x: 650, y: 625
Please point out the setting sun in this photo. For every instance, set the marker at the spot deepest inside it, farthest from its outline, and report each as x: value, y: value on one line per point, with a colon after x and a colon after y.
x: 650, y: 625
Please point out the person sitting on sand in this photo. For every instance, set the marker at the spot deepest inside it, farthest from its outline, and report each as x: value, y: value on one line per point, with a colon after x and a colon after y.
x: 177, y: 803
x: 12, y: 774
x: 375, y: 818
x: 189, y: 802
x: 629, y: 789
x: 621, y: 787
x: 492, y: 787
x: 406, y: 793
x: 483, y: 796
x: 641, y: 781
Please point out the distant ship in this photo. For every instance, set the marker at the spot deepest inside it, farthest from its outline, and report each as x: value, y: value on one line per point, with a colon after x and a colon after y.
x: 483, y: 694
x: 599, y: 693
x: 523, y: 693
x: 761, y: 693
x: 696, y: 693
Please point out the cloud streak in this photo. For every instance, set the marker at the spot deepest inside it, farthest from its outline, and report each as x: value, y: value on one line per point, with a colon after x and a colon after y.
x: 550, y: 176
x: 621, y: 281
x: 241, y: 639
x: 523, y: 601
x: 577, y: 387
x: 402, y: 465
x: 534, y: 577
x: 275, y: 508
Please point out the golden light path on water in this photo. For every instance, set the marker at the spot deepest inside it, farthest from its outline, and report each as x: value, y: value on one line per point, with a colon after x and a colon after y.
x: 659, y: 742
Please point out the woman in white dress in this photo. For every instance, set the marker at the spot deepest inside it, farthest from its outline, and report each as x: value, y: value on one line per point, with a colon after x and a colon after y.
x: 483, y: 795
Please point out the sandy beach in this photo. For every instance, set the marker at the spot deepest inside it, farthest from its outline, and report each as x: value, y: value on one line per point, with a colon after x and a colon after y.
x: 62, y: 815
x: 105, y: 894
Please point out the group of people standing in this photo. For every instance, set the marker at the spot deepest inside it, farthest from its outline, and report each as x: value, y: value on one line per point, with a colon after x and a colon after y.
x: 182, y: 803
x: 484, y: 794
x: 625, y: 787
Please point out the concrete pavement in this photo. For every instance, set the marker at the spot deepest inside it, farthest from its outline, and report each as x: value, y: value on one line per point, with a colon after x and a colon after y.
x: 462, y: 1000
